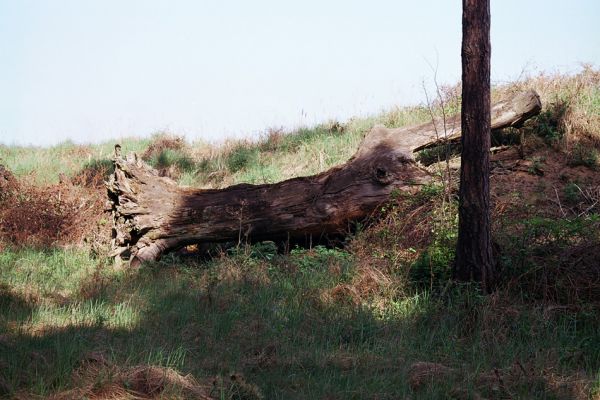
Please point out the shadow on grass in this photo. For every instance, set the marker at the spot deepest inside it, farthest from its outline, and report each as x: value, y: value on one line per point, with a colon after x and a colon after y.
x: 269, y: 320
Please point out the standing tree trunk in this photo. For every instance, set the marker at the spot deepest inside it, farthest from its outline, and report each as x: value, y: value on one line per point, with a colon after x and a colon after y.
x: 474, y: 259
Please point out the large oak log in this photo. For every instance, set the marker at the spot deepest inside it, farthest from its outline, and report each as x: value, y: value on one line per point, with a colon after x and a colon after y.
x: 152, y: 214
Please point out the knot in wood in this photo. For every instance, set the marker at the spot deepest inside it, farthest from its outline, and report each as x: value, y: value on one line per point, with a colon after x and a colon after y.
x: 382, y: 176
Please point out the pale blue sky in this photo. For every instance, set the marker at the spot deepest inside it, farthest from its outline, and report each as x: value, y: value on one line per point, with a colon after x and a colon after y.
x: 99, y: 70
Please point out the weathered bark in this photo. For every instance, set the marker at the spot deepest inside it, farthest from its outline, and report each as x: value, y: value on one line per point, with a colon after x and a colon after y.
x: 153, y: 215
x: 474, y: 259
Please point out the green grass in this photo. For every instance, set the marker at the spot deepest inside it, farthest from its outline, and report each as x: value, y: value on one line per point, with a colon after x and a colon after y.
x: 46, y: 163
x: 215, y: 317
x: 571, y: 105
x: 312, y: 324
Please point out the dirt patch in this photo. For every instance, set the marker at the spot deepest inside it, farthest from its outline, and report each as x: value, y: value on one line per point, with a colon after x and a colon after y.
x: 538, y: 180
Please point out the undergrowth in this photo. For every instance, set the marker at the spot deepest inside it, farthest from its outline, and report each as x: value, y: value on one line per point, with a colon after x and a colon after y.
x: 378, y: 317
x: 313, y: 324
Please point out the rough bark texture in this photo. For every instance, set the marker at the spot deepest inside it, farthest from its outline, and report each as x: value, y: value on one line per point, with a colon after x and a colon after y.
x: 474, y: 259
x: 152, y: 214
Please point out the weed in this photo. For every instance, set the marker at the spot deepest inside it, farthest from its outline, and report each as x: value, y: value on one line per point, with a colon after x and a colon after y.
x: 241, y: 157
x: 548, y: 124
x: 167, y: 158
x: 572, y: 193
x: 438, y: 153
x: 433, y: 267
x: 583, y: 155
x: 163, y: 141
x: 537, y: 166
x: 49, y: 216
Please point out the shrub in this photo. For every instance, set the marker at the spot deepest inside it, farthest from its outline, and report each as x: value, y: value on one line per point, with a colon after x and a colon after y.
x: 433, y: 265
x: 549, y: 124
x: 241, y: 157
x: 168, y: 158
x: 572, y: 192
x: 583, y: 155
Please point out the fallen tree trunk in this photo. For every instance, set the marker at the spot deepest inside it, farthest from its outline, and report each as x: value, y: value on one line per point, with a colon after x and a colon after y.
x: 152, y: 214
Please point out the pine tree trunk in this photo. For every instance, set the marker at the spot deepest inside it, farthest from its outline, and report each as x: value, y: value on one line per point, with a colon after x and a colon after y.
x: 474, y: 258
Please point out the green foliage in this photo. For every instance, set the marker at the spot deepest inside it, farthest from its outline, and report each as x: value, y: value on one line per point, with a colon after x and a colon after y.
x: 266, y: 250
x: 549, y: 123
x: 166, y: 158
x: 583, y: 155
x: 433, y: 267
x: 541, y: 230
x: 572, y: 193
x: 100, y: 166
x: 437, y: 154
x: 241, y: 157
x: 537, y: 166
x: 319, y: 257
x: 302, y: 136
x: 429, y: 192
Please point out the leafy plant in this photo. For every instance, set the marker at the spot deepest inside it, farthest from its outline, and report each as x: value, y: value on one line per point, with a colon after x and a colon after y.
x: 572, y: 193
x: 433, y: 265
x: 583, y: 155
x: 171, y: 157
x: 549, y: 123
x: 241, y: 157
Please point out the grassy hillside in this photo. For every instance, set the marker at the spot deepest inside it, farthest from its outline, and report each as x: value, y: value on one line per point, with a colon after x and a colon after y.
x: 376, y: 317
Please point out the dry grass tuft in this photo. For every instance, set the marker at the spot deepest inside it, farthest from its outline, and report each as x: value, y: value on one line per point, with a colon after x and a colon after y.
x: 572, y: 100
x: 502, y: 383
x: 368, y: 283
x: 236, y: 387
x: 170, y: 155
x: 421, y: 373
x: 98, y: 379
x: 563, y: 275
x: 163, y: 142
x: 272, y: 139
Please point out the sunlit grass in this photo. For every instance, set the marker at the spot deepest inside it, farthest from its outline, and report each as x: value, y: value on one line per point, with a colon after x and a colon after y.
x: 45, y: 164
